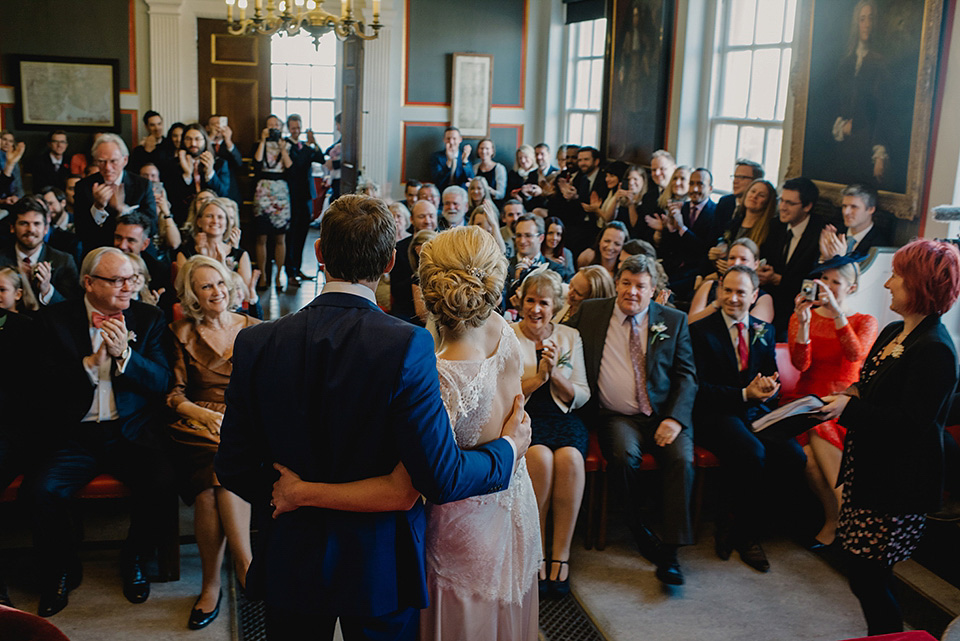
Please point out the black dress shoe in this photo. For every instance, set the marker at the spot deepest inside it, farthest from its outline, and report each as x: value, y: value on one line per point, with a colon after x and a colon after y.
x: 648, y: 543
x: 669, y: 573
x: 53, y: 596
x: 723, y: 542
x: 136, y: 586
x: 200, y: 619
x: 753, y: 555
x: 4, y: 596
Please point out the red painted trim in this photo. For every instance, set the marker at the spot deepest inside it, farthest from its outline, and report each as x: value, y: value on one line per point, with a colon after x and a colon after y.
x: 673, y: 59
x: 132, y: 26
x: 7, y: 87
x: 951, y: 8
x: 523, y: 65
x: 134, y: 120
x: 3, y: 106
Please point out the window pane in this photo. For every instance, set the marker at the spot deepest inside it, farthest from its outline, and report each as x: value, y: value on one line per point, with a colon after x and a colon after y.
x: 771, y: 158
x: 596, y: 84
x: 722, y: 154
x: 769, y: 21
x: 751, y: 143
x: 586, y: 41
x: 784, y: 84
x: 742, y: 13
x: 324, y: 140
x: 599, y: 36
x: 323, y: 82
x: 763, y: 93
x: 582, y: 95
x: 789, y: 20
x: 279, y: 108
x: 301, y: 107
x: 298, y: 81
x: 322, y: 112
x: 575, y: 128
x: 736, y: 84
x: 326, y: 52
x: 278, y: 80
x: 590, y: 133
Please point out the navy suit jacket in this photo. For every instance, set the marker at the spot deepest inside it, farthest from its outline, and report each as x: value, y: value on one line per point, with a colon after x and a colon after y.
x: 338, y: 392
x: 685, y: 256
x: 63, y: 277
x: 671, y: 373
x: 137, y: 192
x: 300, y: 174
x: 443, y: 176
x: 139, y: 392
x: 721, y: 381
x: 792, y: 272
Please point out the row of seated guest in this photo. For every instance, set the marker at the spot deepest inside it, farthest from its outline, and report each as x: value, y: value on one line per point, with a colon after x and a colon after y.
x: 113, y: 363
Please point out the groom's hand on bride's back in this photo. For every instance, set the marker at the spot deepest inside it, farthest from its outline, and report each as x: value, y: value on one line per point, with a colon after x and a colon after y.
x: 517, y: 427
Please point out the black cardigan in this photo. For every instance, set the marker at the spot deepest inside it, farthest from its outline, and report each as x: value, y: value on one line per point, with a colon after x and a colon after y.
x: 897, y: 423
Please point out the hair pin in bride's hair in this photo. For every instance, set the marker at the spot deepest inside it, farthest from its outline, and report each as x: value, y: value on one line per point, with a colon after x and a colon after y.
x: 476, y: 272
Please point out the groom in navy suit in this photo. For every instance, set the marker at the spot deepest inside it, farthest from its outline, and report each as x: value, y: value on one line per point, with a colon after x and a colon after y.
x: 737, y: 366
x: 339, y: 392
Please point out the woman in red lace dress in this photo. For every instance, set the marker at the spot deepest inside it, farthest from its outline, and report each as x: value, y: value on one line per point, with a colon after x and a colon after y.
x: 828, y: 346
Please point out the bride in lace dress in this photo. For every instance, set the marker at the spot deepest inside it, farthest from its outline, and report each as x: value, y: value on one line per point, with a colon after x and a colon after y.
x: 482, y: 553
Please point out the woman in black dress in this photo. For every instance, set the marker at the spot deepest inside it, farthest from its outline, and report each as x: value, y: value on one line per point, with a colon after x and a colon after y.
x: 555, y: 383
x: 892, y: 467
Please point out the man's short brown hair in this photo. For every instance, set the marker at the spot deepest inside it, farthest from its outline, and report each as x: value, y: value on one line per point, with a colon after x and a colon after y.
x: 357, y: 238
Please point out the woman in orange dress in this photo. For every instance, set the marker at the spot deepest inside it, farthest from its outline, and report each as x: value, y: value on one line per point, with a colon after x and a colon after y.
x: 828, y: 345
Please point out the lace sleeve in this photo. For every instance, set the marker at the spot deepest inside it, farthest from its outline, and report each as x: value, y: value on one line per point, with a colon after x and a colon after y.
x: 450, y: 395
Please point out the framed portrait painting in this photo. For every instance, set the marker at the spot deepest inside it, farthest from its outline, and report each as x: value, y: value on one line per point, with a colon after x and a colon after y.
x: 472, y: 94
x: 641, y: 34
x: 68, y: 93
x: 864, y: 83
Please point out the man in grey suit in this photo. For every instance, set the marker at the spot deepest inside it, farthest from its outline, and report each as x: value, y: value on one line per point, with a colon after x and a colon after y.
x: 643, y: 383
x: 52, y: 273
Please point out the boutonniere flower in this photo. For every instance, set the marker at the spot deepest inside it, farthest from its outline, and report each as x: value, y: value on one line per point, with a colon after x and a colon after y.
x: 3, y: 320
x: 659, y: 332
x: 565, y: 360
x: 759, y: 334
x: 131, y: 337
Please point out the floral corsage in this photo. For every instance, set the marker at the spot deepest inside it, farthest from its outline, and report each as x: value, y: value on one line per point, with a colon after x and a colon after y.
x: 659, y: 332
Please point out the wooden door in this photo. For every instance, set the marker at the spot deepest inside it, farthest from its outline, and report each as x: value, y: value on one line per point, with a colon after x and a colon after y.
x: 234, y: 77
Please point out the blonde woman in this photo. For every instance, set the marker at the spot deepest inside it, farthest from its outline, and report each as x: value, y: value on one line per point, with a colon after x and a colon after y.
x: 201, y: 372
x: 420, y: 239
x: 592, y: 281
x: 16, y: 294
x: 555, y: 383
x: 493, y: 172
x: 482, y: 553
x: 524, y: 172
x: 486, y: 218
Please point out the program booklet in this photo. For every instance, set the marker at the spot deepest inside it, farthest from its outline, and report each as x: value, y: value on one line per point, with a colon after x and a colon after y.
x: 792, y: 419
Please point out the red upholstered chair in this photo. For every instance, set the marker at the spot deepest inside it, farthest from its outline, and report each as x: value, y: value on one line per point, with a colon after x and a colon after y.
x: 18, y: 625
x: 105, y: 486
x: 789, y: 375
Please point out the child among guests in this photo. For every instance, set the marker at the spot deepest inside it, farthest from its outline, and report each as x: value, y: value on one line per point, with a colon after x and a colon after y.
x: 16, y: 294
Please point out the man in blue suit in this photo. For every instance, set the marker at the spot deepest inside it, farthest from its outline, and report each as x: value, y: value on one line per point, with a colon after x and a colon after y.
x: 338, y: 392
x: 737, y: 367
x: 690, y: 234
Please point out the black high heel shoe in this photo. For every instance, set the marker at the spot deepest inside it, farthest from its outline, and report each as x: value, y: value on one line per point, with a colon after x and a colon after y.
x: 543, y: 585
x: 561, y: 588
x: 200, y: 619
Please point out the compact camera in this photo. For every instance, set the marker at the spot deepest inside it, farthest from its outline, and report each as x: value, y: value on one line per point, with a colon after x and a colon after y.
x: 810, y: 290
x: 274, y: 135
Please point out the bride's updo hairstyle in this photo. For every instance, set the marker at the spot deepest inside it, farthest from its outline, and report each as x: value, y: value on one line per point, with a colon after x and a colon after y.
x: 461, y: 277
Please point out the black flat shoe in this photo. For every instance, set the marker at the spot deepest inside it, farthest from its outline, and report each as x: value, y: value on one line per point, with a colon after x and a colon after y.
x: 558, y: 587
x: 136, y: 586
x: 200, y: 619
x: 53, y: 596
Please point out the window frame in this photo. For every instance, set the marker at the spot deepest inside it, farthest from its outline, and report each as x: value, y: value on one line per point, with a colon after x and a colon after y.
x: 572, y: 59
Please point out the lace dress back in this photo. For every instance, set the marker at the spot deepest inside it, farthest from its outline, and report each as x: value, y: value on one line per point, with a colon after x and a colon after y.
x: 483, y: 552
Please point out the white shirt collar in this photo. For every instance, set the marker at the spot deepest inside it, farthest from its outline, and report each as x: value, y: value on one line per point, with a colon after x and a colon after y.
x: 33, y: 256
x: 800, y: 227
x: 90, y: 310
x: 341, y: 287
x: 729, y: 320
x: 119, y: 179
x: 859, y: 235
x: 56, y: 162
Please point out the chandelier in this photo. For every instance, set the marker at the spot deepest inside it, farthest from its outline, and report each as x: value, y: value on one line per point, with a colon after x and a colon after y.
x: 292, y: 16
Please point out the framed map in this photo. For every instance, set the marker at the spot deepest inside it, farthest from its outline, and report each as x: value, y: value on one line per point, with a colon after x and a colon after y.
x: 80, y: 94
x: 472, y: 93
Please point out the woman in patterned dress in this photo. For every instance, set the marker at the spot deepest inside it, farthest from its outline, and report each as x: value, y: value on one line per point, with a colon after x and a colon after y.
x: 271, y: 201
x: 892, y: 467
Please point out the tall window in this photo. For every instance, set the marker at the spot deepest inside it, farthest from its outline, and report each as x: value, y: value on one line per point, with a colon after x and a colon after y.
x: 584, y: 100
x: 304, y: 81
x: 751, y: 71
